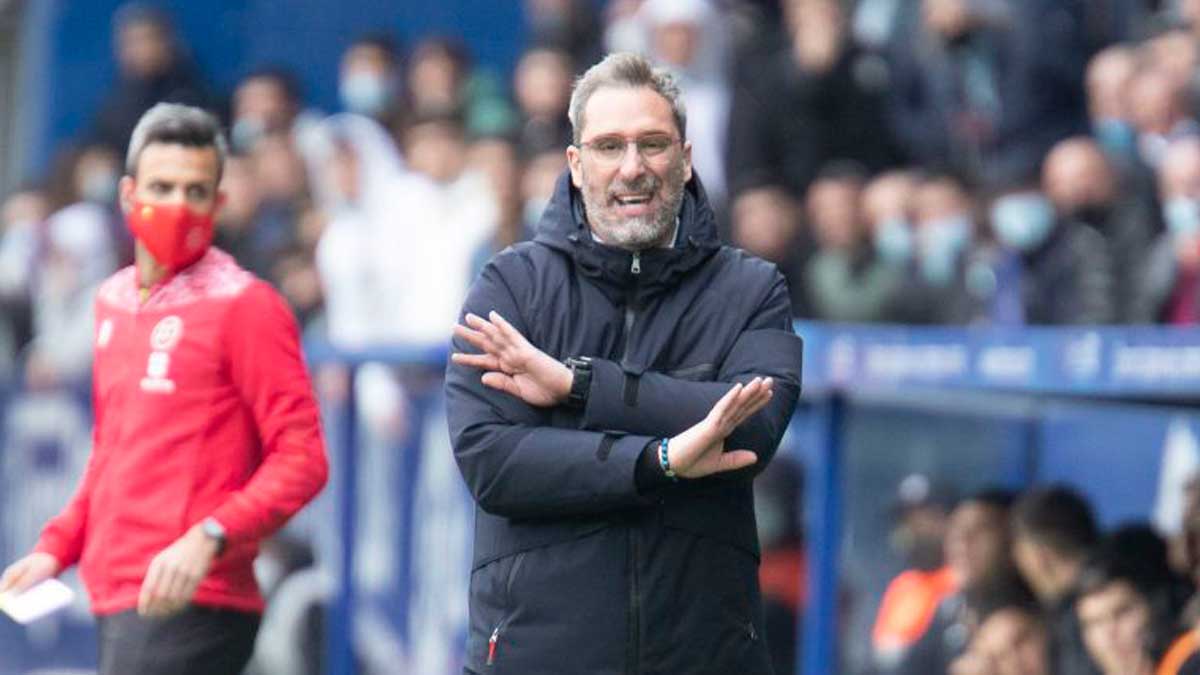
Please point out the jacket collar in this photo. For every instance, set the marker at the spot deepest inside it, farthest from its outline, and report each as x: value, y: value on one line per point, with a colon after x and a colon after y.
x: 563, y: 227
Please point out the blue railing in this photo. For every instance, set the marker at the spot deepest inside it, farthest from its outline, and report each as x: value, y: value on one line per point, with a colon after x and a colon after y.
x: 978, y: 406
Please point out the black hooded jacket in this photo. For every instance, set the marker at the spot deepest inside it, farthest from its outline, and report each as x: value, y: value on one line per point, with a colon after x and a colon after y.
x: 576, y: 570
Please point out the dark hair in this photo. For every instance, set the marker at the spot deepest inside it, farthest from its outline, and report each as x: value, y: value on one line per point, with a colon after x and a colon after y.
x: 176, y: 124
x: 995, y: 497
x: 843, y: 171
x: 1136, y: 555
x: 384, y: 42
x: 1057, y: 517
x: 142, y: 13
x: 283, y: 78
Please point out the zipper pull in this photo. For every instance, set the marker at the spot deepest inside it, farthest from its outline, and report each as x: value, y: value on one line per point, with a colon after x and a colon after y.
x: 492, y: 646
x: 636, y: 267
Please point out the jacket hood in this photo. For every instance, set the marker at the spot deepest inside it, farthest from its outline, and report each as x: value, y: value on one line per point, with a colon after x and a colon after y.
x: 563, y: 227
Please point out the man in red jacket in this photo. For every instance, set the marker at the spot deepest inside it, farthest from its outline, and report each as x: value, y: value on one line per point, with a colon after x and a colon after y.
x: 206, y: 436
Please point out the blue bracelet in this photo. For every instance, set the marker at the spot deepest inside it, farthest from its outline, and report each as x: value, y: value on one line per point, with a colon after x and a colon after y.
x: 665, y: 461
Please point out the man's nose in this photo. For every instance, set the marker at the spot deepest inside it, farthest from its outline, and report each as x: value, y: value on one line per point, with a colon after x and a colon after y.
x: 632, y: 165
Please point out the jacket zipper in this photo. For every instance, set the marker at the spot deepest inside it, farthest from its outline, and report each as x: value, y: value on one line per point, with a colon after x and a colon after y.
x: 494, y: 640
x: 635, y: 592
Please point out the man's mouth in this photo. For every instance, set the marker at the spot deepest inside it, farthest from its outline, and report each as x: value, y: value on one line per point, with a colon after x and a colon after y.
x: 633, y: 198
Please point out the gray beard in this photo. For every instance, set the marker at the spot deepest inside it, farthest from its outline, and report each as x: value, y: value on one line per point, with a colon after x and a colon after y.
x: 636, y: 234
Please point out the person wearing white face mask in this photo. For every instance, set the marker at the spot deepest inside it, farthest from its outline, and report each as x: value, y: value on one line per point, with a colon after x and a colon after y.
x: 1169, y: 291
x: 942, y: 246
x: 1048, y: 270
x: 367, y: 81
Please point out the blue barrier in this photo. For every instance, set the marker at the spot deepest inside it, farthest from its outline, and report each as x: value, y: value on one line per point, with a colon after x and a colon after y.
x: 968, y: 405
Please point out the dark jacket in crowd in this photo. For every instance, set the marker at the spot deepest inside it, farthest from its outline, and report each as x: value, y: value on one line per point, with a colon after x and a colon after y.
x: 1160, y: 284
x: 1069, y: 279
x: 785, y: 123
x: 575, y: 569
x: 992, y: 103
x: 132, y: 97
x: 1068, y: 654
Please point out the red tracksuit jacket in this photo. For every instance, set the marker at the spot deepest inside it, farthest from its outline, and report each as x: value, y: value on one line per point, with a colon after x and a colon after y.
x: 203, y: 407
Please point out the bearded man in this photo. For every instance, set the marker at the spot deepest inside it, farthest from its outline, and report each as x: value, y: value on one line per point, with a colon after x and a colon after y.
x: 616, y: 384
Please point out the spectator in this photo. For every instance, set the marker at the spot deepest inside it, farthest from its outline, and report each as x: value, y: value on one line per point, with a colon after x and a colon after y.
x: 845, y: 279
x: 1010, y: 640
x: 887, y: 210
x: 22, y: 214
x: 1046, y: 270
x: 265, y: 101
x: 977, y: 552
x: 803, y: 102
x: 437, y: 75
x: 975, y: 90
x: 369, y: 79
x: 1160, y: 112
x: 497, y: 159
x: 687, y: 37
x: 766, y: 222
x: 1109, y: 77
x: 573, y: 25
x: 541, y: 171
x: 912, y: 598
x: 1169, y: 291
x: 1125, y: 619
x: 1054, y: 534
x: 937, y: 290
x: 542, y: 88
x: 153, y: 67
x: 1083, y: 186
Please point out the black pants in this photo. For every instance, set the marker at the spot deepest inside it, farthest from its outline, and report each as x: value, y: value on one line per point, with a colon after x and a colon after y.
x: 196, y: 641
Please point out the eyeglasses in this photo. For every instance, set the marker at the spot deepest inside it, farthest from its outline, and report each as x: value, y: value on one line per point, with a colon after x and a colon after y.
x: 611, y: 149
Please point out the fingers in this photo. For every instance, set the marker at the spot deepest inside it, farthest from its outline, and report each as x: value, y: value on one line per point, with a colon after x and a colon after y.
x: 147, y: 596
x: 473, y: 337
x: 13, y: 576
x: 735, y: 459
x: 740, y: 402
x: 501, y: 382
x: 479, y: 361
x: 512, y: 334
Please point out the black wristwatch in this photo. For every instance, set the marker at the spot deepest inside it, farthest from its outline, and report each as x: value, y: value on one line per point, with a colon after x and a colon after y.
x: 581, y: 381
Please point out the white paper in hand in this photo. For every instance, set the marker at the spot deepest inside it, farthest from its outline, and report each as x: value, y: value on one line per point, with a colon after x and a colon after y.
x: 41, y: 600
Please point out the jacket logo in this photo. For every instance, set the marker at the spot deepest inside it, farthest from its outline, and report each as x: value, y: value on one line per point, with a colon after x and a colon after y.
x: 166, y: 334
x: 163, y: 338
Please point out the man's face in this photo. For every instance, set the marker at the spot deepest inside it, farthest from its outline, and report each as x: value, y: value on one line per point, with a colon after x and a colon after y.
x: 1031, y: 561
x: 833, y: 211
x: 1013, y: 642
x: 632, y: 196
x: 1076, y: 176
x: 265, y: 100
x: 976, y: 542
x: 143, y: 50
x: 1114, y: 621
x: 170, y: 174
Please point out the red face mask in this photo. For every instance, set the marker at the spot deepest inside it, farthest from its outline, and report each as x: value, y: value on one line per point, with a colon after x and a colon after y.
x: 174, y: 235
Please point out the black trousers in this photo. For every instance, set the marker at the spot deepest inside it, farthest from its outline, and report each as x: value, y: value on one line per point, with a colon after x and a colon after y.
x: 196, y: 641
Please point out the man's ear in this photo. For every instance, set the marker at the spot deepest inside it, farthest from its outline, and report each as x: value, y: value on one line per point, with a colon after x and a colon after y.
x: 575, y: 164
x: 125, y: 192
x: 687, y: 161
x: 219, y: 202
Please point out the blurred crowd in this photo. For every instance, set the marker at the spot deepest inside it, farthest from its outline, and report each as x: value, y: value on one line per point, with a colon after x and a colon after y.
x: 1003, y: 162
x: 1004, y: 583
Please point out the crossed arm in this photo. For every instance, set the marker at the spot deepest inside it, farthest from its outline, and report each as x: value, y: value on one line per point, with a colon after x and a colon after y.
x: 502, y: 395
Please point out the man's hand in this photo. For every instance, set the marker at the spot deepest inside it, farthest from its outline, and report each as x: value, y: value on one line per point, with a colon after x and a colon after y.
x: 29, y: 571
x: 700, y: 450
x: 511, y: 364
x: 175, y: 573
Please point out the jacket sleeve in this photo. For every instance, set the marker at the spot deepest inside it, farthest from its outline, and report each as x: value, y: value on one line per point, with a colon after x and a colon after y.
x: 268, y: 371
x: 656, y: 405
x: 64, y: 536
x: 517, y: 465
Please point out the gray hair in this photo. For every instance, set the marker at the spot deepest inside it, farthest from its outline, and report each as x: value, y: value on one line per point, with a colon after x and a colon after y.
x: 177, y: 124
x: 624, y: 69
